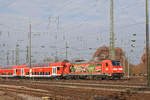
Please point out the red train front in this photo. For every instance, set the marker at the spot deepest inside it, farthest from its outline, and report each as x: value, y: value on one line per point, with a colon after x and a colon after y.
x: 100, y: 69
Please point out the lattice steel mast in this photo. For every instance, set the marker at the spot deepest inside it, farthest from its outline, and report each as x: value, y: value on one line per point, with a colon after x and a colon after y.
x: 112, y: 41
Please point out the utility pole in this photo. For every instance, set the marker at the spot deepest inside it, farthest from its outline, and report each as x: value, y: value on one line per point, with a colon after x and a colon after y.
x: 30, y: 48
x: 112, y: 44
x: 8, y: 57
x: 66, y: 51
x: 17, y: 54
x: 147, y: 45
x: 56, y: 57
x: 128, y: 67
x: 57, y: 29
x: 12, y: 57
x: 58, y: 25
x: 27, y: 56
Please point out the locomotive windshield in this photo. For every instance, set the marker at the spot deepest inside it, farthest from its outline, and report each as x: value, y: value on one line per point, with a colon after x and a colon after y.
x: 116, y: 63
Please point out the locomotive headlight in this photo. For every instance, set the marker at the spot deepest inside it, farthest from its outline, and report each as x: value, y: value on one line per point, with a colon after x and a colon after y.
x: 120, y: 68
x: 115, y: 68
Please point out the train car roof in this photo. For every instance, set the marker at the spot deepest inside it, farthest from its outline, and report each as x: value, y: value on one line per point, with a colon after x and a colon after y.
x: 32, y: 65
x: 46, y: 64
x: 6, y: 67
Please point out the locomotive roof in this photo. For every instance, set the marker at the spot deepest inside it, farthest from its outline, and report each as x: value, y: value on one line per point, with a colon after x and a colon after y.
x: 84, y: 62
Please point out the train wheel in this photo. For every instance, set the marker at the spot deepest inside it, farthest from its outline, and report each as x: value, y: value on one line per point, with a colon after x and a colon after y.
x: 119, y: 78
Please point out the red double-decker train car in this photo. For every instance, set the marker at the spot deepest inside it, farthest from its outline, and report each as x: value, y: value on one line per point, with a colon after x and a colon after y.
x: 99, y: 69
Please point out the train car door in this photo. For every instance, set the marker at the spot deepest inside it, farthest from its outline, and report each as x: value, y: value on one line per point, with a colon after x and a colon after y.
x: 14, y: 72
x: 22, y: 71
x: 54, y: 70
x: 106, y: 67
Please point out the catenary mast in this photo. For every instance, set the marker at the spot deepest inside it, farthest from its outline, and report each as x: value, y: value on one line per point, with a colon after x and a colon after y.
x: 112, y: 42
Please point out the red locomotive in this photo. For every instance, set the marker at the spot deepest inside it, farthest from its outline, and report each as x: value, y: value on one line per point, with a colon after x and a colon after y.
x: 99, y: 69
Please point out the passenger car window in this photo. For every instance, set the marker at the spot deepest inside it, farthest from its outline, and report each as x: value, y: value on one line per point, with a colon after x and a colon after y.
x: 58, y: 68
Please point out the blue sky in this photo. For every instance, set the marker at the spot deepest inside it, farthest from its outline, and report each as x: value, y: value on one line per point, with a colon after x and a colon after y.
x: 83, y: 23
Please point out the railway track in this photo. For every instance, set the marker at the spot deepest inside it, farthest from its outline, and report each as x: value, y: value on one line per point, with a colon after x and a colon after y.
x: 38, y: 92
x: 86, y: 82
x: 67, y: 90
x: 92, y: 83
x: 82, y: 85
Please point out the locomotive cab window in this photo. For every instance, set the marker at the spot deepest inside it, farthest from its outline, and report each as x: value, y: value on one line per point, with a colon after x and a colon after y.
x: 116, y: 63
x: 106, y: 64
